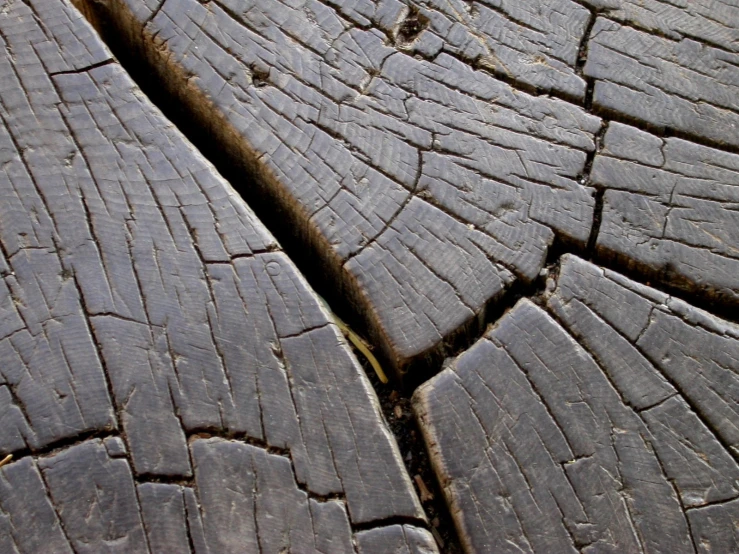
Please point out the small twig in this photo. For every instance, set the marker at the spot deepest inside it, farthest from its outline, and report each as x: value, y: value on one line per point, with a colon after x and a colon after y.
x: 6, y: 460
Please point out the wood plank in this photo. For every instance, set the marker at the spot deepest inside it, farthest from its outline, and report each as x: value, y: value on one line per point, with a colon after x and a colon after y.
x: 426, y: 187
x: 670, y: 211
x: 604, y: 420
x: 143, y: 301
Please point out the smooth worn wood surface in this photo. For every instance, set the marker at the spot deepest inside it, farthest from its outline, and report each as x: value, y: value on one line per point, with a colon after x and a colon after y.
x: 605, y: 420
x: 143, y: 302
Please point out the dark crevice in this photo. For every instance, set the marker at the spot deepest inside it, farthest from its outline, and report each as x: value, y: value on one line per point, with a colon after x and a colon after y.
x: 83, y: 69
x: 597, y: 218
x: 582, y: 58
x: 387, y: 522
x: 395, y: 403
x: 599, y: 192
x: 410, y: 27
x: 58, y: 446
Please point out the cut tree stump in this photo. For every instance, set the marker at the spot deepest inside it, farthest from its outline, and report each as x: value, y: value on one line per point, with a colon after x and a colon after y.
x: 426, y: 188
x: 145, y: 309
x: 605, y: 420
x: 526, y: 206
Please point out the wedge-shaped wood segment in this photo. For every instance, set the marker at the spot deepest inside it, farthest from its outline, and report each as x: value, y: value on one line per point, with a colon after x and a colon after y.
x: 241, y: 499
x: 606, y: 421
x: 709, y: 21
x: 670, y: 211
x: 682, y: 84
x: 141, y: 295
x: 427, y: 188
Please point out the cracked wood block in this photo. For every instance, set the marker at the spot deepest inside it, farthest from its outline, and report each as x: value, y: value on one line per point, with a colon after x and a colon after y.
x: 425, y: 187
x: 534, y: 43
x: 670, y: 211
x: 606, y: 420
x: 242, y: 498
x: 398, y: 539
x: 141, y: 296
x: 680, y: 84
x: 710, y: 21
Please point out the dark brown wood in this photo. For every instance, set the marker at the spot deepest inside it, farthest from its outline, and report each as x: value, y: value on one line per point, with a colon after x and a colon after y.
x: 143, y: 302
x: 606, y: 420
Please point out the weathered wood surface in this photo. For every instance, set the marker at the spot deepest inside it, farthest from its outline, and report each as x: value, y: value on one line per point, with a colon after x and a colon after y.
x: 168, y: 380
x: 241, y: 499
x: 534, y: 43
x: 607, y: 420
x: 428, y: 187
x: 396, y: 539
x: 670, y: 211
x: 710, y: 21
x: 143, y: 302
x: 683, y: 85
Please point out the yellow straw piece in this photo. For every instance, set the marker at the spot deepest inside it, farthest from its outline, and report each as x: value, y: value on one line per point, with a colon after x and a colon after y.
x: 6, y: 460
x: 358, y: 342
x: 363, y: 347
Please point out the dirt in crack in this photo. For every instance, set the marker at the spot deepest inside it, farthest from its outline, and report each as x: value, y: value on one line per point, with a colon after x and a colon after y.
x: 411, y: 27
x: 396, y: 407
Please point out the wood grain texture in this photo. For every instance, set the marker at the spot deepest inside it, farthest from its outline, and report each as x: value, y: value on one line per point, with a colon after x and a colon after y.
x: 241, y: 498
x: 534, y: 43
x: 142, y: 300
x: 679, y: 84
x: 709, y: 21
x: 426, y: 186
x: 399, y: 539
x: 605, y: 421
x: 670, y: 211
